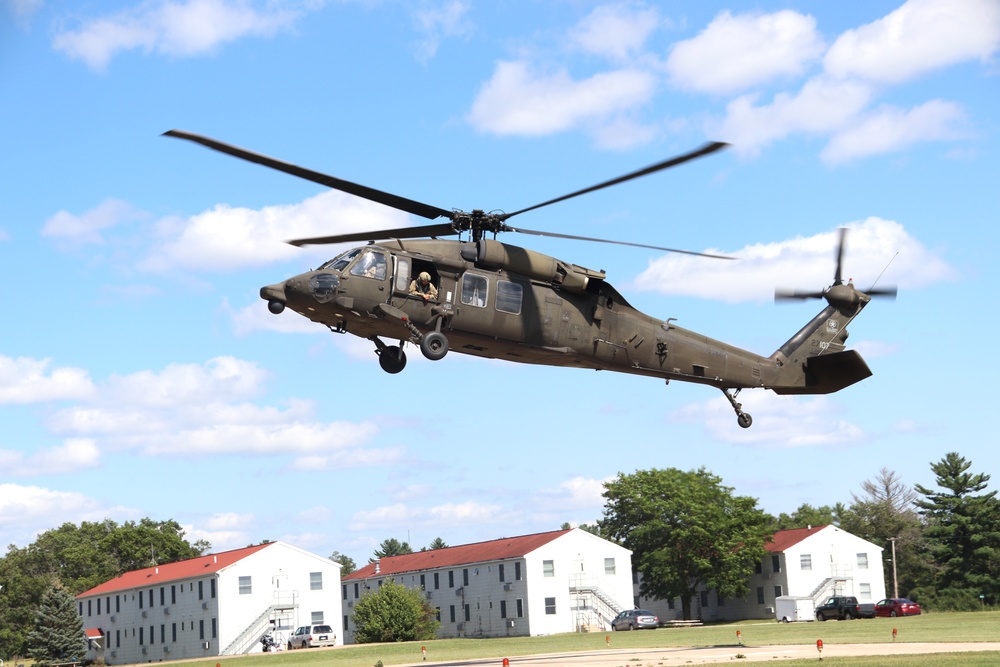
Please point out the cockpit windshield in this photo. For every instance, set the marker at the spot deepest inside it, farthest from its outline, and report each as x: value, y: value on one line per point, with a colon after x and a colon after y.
x: 342, y: 260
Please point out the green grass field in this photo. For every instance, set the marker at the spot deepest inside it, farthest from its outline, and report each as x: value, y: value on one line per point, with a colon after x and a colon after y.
x: 940, y: 627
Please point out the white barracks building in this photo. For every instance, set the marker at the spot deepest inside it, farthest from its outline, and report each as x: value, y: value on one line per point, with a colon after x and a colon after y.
x: 560, y: 581
x: 213, y: 605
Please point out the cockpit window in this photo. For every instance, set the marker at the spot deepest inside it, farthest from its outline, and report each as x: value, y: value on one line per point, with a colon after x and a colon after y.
x: 370, y: 265
x: 340, y: 261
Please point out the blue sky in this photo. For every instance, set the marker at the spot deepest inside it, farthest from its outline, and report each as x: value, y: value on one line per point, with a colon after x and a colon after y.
x: 141, y: 374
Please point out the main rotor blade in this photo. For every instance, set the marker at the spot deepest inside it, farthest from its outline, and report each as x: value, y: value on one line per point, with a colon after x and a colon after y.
x: 443, y: 229
x: 666, y: 164
x: 889, y: 292
x: 363, y: 191
x: 635, y: 245
x: 781, y: 294
x: 838, y: 276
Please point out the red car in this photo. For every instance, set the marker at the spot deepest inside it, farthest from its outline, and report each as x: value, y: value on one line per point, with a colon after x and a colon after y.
x: 894, y: 607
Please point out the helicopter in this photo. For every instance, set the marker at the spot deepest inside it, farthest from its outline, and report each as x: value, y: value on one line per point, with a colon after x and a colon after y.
x: 500, y: 301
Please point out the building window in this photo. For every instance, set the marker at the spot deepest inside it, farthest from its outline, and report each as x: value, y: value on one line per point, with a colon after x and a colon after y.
x: 163, y: 596
x: 451, y: 613
x: 451, y: 578
x: 548, y: 568
x: 704, y: 598
x: 317, y: 618
x: 163, y: 633
x: 806, y: 562
x: 211, y: 587
x: 423, y: 583
x: 720, y: 599
x: 503, y: 609
x: 173, y: 595
x: 760, y: 595
x: 866, y: 591
x: 437, y: 614
x: 474, y: 290
x: 356, y: 591
x: 173, y: 632
x: 465, y: 577
x: 344, y: 587
x: 468, y: 613
x: 519, y: 607
x: 201, y: 589
x: 550, y: 605
x: 758, y: 568
x: 117, y: 604
x: 346, y: 628
x: 315, y: 581
x: 246, y: 587
x: 517, y: 571
x: 670, y: 603
x: 777, y: 591
x: 201, y: 629
x: 609, y: 566
x: 88, y: 607
x: 863, y: 561
x: 775, y: 563
x: 499, y: 567
x: 508, y: 297
x: 141, y: 629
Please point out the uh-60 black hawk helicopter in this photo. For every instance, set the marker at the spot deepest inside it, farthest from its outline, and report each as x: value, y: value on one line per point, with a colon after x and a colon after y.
x: 501, y: 301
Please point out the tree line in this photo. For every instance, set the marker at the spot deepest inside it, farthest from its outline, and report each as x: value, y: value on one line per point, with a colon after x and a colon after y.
x: 685, y: 528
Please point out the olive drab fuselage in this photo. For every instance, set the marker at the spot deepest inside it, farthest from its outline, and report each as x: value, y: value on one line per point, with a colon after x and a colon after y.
x: 504, y: 302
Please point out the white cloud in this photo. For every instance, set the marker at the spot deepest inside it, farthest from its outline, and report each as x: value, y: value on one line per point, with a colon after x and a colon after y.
x: 181, y: 29
x: 405, y: 515
x: 808, y: 261
x: 217, y: 380
x: 739, y: 52
x: 889, y: 129
x: 577, y: 493
x: 228, y: 238
x: 779, y: 422
x: 26, y: 511
x: 24, y: 380
x: 71, y: 457
x: 86, y: 228
x: 518, y: 100
x: 616, y: 31
x: 435, y: 22
x: 918, y: 37
x: 821, y: 107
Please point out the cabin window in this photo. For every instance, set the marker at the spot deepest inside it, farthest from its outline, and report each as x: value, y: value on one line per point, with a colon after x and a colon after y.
x: 508, y: 297
x: 474, y: 290
x: 370, y: 265
x: 402, y: 274
x: 339, y: 262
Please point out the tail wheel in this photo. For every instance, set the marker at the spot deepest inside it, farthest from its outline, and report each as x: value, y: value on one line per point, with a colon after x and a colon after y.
x: 392, y: 359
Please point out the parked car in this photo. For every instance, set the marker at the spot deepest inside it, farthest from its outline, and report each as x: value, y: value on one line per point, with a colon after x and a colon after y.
x: 893, y: 607
x: 309, y: 636
x: 635, y: 619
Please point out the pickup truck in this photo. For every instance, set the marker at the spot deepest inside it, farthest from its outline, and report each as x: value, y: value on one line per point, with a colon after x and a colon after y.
x: 844, y: 608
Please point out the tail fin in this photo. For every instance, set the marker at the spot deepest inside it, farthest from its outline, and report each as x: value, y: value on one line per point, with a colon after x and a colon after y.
x: 814, y: 360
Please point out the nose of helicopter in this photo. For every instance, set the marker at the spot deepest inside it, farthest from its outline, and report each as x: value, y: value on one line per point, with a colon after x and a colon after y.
x: 275, y: 297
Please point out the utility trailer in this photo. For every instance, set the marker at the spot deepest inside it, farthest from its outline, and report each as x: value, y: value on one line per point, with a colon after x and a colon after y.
x: 790, y: 609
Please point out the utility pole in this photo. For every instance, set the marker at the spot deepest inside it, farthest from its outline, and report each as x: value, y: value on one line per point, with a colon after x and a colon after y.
x: 895, y: 583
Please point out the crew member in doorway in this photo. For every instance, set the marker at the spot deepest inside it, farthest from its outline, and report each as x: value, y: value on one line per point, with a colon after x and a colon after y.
x: 423, y: 287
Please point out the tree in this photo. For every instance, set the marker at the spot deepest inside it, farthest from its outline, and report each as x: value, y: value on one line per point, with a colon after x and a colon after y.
x: 437, y: 543
x: 394, y: 613
x: 347, y: 564
x: 883, y: 514
x: 391, y: 547
x: 58, y: 632
x: 807, y: 515
x: 685, y: 530
x: 962, y: 532
x: 79, y: 558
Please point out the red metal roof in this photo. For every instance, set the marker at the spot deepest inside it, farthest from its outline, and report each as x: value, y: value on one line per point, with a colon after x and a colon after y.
x: 182, y: 569
x: 506, y: 547
x: 783, y: 539
x: 93, y: 633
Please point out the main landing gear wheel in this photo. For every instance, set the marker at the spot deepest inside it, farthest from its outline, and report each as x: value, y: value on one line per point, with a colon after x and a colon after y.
x: 392, y: 359
x: 742, y: 418
x: 434, y: 345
